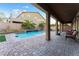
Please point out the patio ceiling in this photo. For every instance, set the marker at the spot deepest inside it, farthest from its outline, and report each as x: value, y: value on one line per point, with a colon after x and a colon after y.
x: 64, y: 12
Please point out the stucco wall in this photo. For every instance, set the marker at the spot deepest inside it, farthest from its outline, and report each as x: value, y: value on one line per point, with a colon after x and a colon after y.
x: 10, y: 26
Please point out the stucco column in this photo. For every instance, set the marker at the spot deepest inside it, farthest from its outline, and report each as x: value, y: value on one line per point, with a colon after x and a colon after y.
x: 77, y: 24
x: 72, y: 25
x: 57, y: 27
x: 48, y: 26
x: 60, y: 27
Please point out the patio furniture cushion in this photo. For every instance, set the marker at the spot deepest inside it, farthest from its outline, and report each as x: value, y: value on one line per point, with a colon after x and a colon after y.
x: 73, y: 35
x: 69, y: 32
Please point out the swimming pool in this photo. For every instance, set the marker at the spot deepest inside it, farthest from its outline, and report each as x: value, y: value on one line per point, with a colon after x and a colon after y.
x: 29, y: 34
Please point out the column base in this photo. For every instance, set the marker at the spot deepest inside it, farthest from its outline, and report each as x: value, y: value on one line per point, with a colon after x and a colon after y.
x: 57, y: 33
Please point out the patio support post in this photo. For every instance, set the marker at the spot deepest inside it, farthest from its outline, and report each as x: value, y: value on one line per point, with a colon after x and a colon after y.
x: 72, y: 25
x: 60, y: 27
x: 77, y: 23
x: 57, y: 27
x: 48, y: 26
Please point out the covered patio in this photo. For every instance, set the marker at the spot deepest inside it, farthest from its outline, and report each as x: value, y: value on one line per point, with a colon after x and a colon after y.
x: 65, y: 13
x: 50, y: 44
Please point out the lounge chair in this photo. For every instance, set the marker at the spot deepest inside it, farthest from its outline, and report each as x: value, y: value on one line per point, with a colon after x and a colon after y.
x: 69, y: 32
x: 73, y: 35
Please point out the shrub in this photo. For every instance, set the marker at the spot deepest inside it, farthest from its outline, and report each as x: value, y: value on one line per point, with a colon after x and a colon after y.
x: 41, y: 25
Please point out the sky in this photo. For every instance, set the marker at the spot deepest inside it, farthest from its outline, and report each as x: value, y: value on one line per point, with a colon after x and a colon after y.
x: 14, y: 9
x: 8, y: 8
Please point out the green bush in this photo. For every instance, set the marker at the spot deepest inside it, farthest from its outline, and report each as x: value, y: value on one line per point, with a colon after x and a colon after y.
x: 41, y: 25
x: 27, y: 24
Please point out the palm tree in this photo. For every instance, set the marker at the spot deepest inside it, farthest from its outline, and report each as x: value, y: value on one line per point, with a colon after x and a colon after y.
x: 27, y: 24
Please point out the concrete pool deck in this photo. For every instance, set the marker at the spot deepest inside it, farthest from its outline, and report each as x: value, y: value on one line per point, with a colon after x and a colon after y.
x: 38, y: 46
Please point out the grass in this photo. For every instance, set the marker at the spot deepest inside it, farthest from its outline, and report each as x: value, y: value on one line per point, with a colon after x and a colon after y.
x: 2, y: 38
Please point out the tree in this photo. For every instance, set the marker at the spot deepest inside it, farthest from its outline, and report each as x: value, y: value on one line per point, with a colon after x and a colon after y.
x: 2, y: 15
x: 27, y: 24
x: 41, y: 25
x: 0, y: 19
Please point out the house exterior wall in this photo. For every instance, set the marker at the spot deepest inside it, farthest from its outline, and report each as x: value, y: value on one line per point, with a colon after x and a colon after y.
x: 76, y: 24
x: 9, y: 25
x: 33, y: 16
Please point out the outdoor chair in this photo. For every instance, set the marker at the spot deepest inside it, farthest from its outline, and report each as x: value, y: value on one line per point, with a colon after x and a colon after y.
x: 73, y: 35
x: 69, y: 32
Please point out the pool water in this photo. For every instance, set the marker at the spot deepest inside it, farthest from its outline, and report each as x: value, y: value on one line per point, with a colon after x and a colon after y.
x: 28, y: 34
